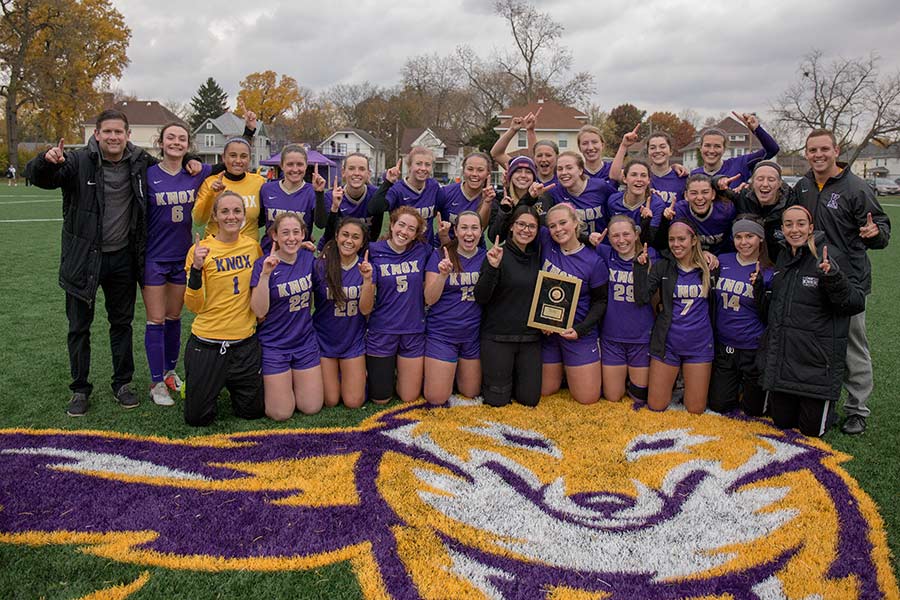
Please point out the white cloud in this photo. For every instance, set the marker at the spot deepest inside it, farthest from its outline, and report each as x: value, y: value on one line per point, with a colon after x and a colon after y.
x: 658, y: 55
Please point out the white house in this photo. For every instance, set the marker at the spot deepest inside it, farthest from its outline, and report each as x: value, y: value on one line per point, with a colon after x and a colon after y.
x: 878, y: 159
x: 211, y: 135
x: 556, y: 123
x: 446, y: 145
x: 740, y: 142
x: 351, y: 139
x: 145, y: 118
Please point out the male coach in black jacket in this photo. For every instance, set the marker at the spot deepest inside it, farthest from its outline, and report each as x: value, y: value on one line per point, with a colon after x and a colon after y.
x: 103, y: 243
x: 844, y: 207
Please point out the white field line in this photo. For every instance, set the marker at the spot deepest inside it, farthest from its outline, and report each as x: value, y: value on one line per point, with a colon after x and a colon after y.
x: 30, y: 220
x: 30, y: 201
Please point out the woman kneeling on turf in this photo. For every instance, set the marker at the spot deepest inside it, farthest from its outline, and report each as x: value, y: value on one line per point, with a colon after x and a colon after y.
x: 682, y: 335
x: 282, y: 296
x: 223, y: 350
x: 453, y: 321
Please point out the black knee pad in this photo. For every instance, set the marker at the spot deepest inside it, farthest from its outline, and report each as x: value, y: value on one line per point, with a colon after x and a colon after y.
x: 381, y: 377
x: 637, y: 392
x: 496, y: 395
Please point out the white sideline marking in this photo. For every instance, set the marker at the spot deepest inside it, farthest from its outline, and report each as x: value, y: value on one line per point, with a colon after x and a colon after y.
x: 30, y: 201
x: 29, y: 220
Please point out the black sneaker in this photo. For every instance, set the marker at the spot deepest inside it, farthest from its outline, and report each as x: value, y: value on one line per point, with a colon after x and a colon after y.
x: 126, y: 397
x: 854, y: 425
x: 78, y: 405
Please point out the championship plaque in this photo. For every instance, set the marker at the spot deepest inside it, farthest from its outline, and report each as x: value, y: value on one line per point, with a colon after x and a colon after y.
x: 554, y: 302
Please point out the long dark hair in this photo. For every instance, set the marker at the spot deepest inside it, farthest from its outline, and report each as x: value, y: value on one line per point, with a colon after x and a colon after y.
x: 330, y: 260
x: 453, y: 245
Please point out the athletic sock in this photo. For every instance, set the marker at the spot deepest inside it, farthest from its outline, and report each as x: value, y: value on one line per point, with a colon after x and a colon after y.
x: 173, y: 343
x: 154, y: 346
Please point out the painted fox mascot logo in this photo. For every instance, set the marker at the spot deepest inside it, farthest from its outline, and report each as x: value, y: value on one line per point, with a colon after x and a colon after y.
x: 559, y: 502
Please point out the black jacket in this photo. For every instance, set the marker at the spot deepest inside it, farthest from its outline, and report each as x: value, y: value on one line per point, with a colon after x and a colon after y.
x: 746, y: 203
x: 839, y: 210
x: 505, y: 294
x: 662, y: 276
x: 808, y: 315
x: 81, y: 180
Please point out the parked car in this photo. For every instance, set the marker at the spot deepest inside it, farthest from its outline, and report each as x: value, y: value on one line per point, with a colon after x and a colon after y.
x: 882, y: 186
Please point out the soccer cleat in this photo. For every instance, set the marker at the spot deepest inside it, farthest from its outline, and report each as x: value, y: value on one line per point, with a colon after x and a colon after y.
x: 854, y: 425
x: 78, y: 405
x: 159, y: 393
x: 126, y: 397
x: 173, y: 381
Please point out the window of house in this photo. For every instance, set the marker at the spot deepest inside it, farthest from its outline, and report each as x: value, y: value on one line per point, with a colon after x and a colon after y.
x: 209, y: 140
x: 563, y: 143
x: 523, y: 139
x: 209, y: 125
x: 737, y: 138
x: 357, y: 147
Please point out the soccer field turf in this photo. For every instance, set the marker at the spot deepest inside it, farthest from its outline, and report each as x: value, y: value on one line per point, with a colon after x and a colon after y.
x: 34, y: 392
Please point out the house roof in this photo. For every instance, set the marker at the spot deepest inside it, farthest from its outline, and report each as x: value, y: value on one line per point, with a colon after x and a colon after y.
x: 878, y: 149
x: 554, y: 116
x: 230, y: 125
x: 143, y: 112
x: 730, y: 126
x: 367, y: 137
x: 450, y: 139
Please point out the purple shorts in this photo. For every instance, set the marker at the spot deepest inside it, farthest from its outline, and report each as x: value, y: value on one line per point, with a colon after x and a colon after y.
x: 571, y: 353
x: 703, y: 354
x: 344, y: 347
x: 404, y: 345
x: 440, y: 348
x: 163, y: 272
x: 275, y: 361
x: 617, y: 354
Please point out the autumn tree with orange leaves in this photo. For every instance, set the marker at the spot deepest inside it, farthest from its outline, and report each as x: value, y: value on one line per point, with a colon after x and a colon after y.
x: 269, y: 97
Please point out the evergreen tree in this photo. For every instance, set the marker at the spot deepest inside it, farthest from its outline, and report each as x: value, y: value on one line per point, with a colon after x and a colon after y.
x: 210, y: 102
x: 485, y: 138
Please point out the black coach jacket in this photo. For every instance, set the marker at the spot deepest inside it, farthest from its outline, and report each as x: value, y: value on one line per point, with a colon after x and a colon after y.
x: 808, y: 314
x: 81, y: 179
x: 839, y: 210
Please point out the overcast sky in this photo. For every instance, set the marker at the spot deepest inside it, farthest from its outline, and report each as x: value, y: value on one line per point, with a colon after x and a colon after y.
x: 712, y: 56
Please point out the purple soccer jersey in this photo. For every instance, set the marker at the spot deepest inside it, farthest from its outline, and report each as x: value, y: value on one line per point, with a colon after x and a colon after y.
x: 743, y: 165
x: 714, y: 228
x: 451, y: 202
x: 456, y: 316
x: 624, y: 320
x: 425, y: 201
x: 669, y: 187
x: 356, y: 208
x: 602, y: 173
x: 616, y: 206
x: 737, y: 320
x: 691, y: 329
x: 336, y: 325
x: 275, y: 200
x: 590, y: 204
x: 288, y: 324
x: 170, y: 199
x: 399, y: 288
x: 585, y: 264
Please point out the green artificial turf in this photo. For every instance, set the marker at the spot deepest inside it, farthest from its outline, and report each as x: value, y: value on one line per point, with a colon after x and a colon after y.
x: 34, y: 394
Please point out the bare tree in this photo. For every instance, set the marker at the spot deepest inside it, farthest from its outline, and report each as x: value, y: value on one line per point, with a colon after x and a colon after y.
x: 847, y: 96
x: 539, y: 64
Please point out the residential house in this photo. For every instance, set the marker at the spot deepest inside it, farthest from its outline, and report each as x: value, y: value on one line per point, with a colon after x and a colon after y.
x: 740, y: 141
x: 145, y: 119
x: 211, y: 135
x: 556, y: 122
x: 878, y: 159
x: 349, y: 140
x: 446, y: 145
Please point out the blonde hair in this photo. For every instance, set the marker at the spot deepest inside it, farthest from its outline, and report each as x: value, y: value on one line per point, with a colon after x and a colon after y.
x: 697, y: 258
x: 579, y: 224
x: 579, y: 159
x: 589, y: 129
x: 638, y: 248
x: 415, y: 151
x: 811, y: 240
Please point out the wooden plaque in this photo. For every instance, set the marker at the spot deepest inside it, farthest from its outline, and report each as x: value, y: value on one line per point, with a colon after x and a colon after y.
x: 554, y: 302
